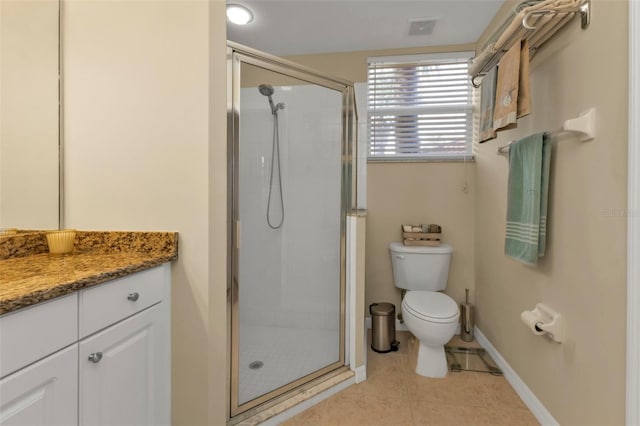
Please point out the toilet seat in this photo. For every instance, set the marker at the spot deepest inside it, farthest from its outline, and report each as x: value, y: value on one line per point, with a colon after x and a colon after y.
x: 431, y: 306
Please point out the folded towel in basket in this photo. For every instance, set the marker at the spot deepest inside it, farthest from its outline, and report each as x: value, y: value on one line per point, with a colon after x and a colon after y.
x: 529, y: 164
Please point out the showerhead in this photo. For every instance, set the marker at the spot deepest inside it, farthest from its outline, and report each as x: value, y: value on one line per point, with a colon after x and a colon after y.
x: 266, y: 89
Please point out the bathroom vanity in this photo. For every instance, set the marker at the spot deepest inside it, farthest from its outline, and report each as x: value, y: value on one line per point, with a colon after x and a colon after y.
x: 85, y: 338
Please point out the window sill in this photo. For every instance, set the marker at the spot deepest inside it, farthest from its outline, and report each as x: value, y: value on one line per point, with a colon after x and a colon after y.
x: 470, y: 159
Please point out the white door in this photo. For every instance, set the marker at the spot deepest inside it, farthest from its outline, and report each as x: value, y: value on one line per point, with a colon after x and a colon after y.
x: 124, y: 373
x: 44, y: 393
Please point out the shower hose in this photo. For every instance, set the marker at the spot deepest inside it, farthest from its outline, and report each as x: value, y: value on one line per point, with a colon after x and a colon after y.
x: 275, y: 156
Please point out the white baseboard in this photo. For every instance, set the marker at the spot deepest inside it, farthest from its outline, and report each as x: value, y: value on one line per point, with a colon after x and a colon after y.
x: 531, y: 401
x: 361, y: 373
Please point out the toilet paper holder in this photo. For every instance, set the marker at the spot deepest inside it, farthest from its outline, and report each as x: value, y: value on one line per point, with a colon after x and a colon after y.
x: 544, y: 320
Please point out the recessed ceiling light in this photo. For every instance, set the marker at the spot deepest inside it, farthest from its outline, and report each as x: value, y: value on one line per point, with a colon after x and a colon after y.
x: 239, y: 14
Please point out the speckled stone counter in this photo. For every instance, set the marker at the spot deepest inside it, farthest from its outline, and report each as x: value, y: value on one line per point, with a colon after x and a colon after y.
x: 29, y: 274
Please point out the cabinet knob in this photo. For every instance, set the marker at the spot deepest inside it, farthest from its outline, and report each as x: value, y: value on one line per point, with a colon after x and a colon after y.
x: 133, y: 296
x: 95, y: 357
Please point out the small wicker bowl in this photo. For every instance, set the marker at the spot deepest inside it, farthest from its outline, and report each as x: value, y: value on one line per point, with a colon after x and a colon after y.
x: 61, y: 242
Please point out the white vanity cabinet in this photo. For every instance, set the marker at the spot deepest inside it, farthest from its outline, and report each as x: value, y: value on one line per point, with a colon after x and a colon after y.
x: 124, y: 373
x: 115, y: 371
x: 39, y: 364
x: 44, y: 393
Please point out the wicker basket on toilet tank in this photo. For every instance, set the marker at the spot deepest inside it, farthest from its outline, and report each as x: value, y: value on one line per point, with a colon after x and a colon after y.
x: 421, y: 235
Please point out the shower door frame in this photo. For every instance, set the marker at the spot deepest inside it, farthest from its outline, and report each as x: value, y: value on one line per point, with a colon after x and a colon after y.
x: 238, y: 54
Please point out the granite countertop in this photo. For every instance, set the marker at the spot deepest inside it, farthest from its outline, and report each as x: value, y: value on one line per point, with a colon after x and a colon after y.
x: 29, y: 274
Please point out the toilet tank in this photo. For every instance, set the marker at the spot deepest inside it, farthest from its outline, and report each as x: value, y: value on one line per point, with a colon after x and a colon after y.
x: 420, y: 267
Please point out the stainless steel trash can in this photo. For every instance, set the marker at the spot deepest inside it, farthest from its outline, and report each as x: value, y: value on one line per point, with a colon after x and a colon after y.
x: 383, y: 327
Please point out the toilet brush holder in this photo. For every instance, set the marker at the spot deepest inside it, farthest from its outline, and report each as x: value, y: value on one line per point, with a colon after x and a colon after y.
x: 466, y: 317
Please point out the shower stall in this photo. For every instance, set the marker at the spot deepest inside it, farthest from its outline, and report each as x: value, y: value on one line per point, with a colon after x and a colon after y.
x: 292, y: 185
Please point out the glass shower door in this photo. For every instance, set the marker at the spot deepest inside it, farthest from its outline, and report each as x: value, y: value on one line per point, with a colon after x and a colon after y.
x: 289, y: 212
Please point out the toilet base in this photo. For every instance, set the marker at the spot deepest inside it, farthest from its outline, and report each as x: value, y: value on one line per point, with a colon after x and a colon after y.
x: 432, y: 361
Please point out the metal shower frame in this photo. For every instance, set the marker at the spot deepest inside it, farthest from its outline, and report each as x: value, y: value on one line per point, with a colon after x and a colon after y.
x: 238, y: 54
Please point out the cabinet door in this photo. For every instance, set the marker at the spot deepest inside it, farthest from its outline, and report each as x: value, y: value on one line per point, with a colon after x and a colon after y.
x: 124, y: 372
x: 44, y: 393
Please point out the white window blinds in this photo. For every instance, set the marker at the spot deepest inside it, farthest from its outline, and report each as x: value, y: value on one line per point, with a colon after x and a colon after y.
x: 420, y: 107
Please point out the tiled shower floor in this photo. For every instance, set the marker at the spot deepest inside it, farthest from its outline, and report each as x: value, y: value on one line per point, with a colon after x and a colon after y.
x: 394, y: 395
x: 286, y: 353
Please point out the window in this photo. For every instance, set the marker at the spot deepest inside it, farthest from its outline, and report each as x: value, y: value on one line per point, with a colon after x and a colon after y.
x: 420, y: 107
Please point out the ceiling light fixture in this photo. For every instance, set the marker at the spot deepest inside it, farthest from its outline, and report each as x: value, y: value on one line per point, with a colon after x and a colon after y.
x: 239, y: 14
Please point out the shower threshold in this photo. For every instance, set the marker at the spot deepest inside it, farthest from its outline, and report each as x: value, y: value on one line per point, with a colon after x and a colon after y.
x: 279, y: 405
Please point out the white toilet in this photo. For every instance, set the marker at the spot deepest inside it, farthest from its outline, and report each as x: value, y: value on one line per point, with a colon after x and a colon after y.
x: 431, y: 316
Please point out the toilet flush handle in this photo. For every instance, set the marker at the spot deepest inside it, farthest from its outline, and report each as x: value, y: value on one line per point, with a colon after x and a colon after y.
x: 399, y: 256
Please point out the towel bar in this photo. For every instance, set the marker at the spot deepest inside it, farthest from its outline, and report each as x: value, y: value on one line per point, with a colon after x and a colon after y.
x: 584, y: 126
x: 536, y: 21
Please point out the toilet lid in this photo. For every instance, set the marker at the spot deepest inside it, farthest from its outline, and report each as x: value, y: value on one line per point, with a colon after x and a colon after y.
x: 431, y: 306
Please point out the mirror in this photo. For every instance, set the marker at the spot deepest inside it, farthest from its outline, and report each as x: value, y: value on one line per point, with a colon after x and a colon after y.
x: 29, y: 148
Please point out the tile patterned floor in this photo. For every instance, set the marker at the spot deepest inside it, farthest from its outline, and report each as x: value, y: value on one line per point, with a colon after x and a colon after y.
x: 394, y: 395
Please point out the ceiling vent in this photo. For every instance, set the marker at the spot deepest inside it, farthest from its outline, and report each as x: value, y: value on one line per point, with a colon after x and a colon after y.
x: 421, y: 26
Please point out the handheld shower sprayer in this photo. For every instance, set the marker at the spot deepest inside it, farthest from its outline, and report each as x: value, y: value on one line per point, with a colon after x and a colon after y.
x: 267, y: 90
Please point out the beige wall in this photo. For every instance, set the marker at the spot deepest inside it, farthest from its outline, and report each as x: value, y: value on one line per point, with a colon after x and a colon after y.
x: 218, y: 397
x: 144, y: 123
x: 582, y: 276
x: 353, y: 65
x: 400, y: 193
x: 29, y: 114
x: 418, y: 193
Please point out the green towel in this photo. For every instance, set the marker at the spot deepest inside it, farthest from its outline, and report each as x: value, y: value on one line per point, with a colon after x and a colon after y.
x: 527, y: 196
x: 544, y: 194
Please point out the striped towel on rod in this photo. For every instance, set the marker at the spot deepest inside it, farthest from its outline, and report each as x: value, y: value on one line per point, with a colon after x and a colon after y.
x: 527, y: 198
